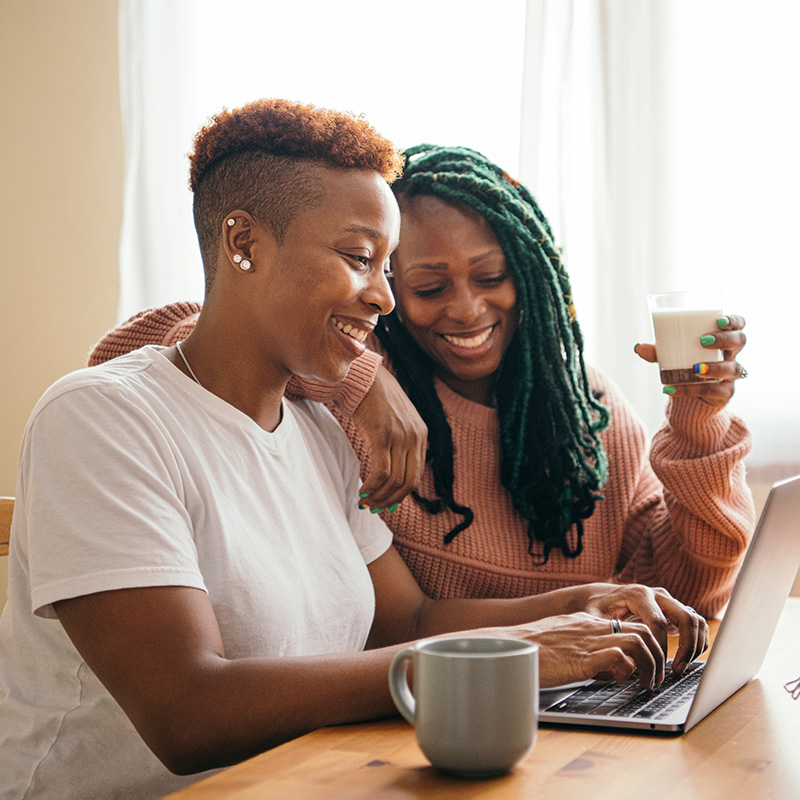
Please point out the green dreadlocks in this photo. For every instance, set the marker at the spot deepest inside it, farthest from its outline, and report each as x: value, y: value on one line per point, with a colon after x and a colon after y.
x: 553, y: 462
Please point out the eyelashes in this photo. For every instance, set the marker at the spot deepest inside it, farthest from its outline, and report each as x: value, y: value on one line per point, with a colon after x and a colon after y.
x: 488, y: 282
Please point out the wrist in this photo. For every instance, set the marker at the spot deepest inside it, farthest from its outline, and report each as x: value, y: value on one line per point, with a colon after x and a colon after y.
x: 581, y: 596
x: 567, y: 600
x: 359, y: 380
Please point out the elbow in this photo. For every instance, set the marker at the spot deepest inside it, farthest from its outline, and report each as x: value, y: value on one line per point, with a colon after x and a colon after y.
x: 183, y: 757
x: 184, y: 743
x: 182, y: 760
x: 193, y: 746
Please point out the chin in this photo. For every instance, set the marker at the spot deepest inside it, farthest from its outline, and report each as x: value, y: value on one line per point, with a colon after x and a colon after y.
x: 479, y: 373
x: 331, y: 376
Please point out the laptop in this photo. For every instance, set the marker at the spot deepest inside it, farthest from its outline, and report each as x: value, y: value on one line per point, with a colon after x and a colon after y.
x: 770, y: 565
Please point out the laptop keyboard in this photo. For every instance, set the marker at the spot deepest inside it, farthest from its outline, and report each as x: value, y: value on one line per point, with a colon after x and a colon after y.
x: 630, y: 699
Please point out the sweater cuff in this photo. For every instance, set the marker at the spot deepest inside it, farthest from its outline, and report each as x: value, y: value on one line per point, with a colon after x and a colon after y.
x: 358, y: 382
x: 694, y: 429
x: 348, y: 394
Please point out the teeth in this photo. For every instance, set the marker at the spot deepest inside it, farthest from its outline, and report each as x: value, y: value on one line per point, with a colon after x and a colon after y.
x: 472, y: 342
x: 356, y: 333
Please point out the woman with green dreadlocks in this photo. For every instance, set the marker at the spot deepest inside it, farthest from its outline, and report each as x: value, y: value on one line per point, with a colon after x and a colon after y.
x: 538, y: 474
x: 538, y: 469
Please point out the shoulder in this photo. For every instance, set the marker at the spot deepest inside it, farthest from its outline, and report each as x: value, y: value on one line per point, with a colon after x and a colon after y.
x: 89, y: 387
x: 606, y: 390
x: 102, y: 418
x: 625, y: 420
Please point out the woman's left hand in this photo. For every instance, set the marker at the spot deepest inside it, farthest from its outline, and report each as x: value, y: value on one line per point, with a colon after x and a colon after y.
x: 716, y: 378
x: 657, y: 609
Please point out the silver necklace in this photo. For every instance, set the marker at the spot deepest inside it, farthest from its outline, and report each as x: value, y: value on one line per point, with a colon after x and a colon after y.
x: 191, y: 371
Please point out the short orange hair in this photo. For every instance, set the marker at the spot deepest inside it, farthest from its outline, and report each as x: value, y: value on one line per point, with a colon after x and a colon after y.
x: 284, y: 128
x: 257, y: 158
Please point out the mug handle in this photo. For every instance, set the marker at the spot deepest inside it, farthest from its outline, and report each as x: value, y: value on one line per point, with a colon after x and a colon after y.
x: 398, y: 684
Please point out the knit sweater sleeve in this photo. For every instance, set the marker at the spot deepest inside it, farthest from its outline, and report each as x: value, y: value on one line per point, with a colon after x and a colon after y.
x: 348, y: 394
x: 691, y: 513
x: 165, y: 326
x: 345, y: 397
x: 173, y: 323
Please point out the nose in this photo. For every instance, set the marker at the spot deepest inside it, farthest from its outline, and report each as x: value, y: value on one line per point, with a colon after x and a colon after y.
x: 378, y: 293
x: 466, y: 305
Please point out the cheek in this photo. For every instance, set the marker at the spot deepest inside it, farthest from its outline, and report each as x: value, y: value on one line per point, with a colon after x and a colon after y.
x: 507, y: 302
x: 334, y: 287
x: 413, y: 312
x: 507, y: 299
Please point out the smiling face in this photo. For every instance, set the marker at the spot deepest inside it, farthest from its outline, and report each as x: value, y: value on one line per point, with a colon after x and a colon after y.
x: 454, y: 293
x: 326, y: 282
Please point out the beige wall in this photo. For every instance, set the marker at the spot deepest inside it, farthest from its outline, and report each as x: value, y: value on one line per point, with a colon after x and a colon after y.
x: 60, y: 199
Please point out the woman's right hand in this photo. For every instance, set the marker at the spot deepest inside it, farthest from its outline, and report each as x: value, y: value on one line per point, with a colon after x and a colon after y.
x: 582, y: 646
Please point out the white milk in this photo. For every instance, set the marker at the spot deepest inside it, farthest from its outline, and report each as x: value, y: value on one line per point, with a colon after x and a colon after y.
x: 678, y: 333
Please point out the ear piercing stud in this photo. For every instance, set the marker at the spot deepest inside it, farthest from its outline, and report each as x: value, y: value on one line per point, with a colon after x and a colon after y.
x: 237, y: 259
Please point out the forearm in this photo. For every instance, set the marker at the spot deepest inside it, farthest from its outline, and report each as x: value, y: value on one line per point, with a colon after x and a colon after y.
x: 230, y: 710
x: 707, y: 507
x: 159, y: 653
x: 694, y: 560
x: 444, y: 616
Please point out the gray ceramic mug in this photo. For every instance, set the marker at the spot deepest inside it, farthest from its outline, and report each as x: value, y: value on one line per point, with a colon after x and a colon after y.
x: 475, y: 705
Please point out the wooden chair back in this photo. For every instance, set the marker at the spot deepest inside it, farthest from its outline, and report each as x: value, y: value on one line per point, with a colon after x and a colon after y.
x: 6, y: 510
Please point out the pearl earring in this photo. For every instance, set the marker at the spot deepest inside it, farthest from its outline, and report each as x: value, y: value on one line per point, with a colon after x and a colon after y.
x: 231, y: 222
x: 237, y: 259
x: 245, y: 265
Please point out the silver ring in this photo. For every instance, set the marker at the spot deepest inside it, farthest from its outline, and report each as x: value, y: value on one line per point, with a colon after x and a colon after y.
x: 616, y: 626
x: 743, y: 374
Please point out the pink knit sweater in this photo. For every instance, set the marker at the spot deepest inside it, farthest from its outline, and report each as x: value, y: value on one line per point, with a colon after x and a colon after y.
x: 679, y: 516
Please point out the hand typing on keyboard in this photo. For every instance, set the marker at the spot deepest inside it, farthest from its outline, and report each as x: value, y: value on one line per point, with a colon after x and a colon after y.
x: 577, y: 647
x: 655, y: 607
x: 606, y: 631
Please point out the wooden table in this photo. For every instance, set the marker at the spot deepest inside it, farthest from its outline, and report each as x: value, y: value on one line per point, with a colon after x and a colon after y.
x: 748, y: 748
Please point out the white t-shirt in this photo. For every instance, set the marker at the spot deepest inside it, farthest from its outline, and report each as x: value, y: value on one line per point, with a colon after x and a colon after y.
x: 132, y: 475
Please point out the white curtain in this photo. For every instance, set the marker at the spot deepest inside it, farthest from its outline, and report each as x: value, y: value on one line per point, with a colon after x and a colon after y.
x: 159, y: 54
x: 660, y: 138
x: 443, y: 71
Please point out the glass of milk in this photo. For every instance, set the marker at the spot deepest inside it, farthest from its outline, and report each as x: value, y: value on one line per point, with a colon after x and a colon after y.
x: 679, y: 320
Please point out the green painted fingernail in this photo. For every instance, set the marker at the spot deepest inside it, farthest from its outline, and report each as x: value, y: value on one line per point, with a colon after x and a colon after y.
x: 668, y: 390
x: 363, y: 494
x: 723, y: 321
x: 707, y: 340
x: 392, y: 508
x: 375, y: 510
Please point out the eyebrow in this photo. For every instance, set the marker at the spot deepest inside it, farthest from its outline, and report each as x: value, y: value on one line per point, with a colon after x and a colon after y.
x: 474, y: 260
x: 367, y: 230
